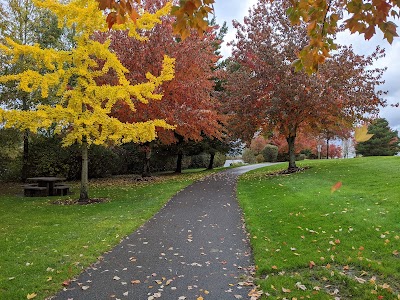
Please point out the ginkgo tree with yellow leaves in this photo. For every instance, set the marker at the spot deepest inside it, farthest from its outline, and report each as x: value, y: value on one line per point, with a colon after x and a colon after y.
x: 82, y: 113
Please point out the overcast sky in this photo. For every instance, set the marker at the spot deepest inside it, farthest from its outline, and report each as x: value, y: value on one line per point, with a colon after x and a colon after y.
x: 236, y: 10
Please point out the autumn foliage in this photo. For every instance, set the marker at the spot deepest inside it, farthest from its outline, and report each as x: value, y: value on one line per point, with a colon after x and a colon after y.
x: 264, y: 90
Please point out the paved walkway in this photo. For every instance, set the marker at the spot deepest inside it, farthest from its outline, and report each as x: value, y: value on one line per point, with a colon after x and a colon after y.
x: 194, y: 247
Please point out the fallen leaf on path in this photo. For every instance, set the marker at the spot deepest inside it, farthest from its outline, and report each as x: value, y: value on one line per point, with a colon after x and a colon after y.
x: 85, y: 287
x: 135, y: 281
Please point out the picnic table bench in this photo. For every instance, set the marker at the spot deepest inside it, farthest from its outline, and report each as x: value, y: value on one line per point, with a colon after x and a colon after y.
x: 45, y: 186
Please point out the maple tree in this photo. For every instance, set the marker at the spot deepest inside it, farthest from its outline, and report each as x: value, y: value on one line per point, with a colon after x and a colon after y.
x: 82, y: 113
x: 264, y: 90
x: 323, y: 19
x: 188, y: 101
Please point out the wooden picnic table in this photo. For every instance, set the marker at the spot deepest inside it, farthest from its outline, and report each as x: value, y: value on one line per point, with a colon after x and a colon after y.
x: 48, y: 182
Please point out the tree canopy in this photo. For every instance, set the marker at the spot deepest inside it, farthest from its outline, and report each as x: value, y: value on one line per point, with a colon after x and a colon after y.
x: 264, y: 90
x: 82, y: 113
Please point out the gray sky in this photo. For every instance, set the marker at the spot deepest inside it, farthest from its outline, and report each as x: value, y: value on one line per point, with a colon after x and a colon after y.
x: 236, y: 10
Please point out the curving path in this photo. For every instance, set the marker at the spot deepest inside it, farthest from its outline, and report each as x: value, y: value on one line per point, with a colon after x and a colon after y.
x: 196, y: 246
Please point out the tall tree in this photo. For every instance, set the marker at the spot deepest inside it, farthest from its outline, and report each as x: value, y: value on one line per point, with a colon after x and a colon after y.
x: 322, y: 19
x: 24, y: 24
x: 384, y: 142
x: 265, y: 91
x: 83, y: 111
x: 189, y: 101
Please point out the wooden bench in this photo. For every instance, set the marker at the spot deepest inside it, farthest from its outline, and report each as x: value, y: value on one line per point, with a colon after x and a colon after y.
x: 61, y: 190
x: 35, y: 191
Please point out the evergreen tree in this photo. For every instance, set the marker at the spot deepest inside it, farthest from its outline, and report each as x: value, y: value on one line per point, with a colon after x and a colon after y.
x: 385, y: 141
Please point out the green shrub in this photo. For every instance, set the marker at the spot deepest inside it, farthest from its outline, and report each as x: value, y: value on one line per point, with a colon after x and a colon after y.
x: 260, y: 158
x: 219, y: 160
x: 270, y: 153
x: 248, y: 156
x: 301, y: 156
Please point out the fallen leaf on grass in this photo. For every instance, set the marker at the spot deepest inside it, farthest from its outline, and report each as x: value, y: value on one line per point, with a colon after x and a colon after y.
x: 336, y: 186
x: 301, y: 286
x: 31, y: 296
x: 311, y: 264
x: 66, y: 282
x: 396, y: 252
x: 286, y: 290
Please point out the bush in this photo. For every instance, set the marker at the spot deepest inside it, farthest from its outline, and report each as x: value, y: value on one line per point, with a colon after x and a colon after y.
x: 219, y: 160
x: 301, y: 156
x: 248, y: 156
x: 260, y: 158
x: 270, y: 153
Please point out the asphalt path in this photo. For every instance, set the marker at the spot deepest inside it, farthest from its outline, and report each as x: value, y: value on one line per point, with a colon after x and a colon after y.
x: 195, y: 247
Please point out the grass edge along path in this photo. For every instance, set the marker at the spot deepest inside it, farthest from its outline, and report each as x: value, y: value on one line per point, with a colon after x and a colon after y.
x: 311, y: 242
x: 42, y: 245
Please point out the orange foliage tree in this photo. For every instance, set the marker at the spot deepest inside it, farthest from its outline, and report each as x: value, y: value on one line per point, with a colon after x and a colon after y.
x: 265, y: 92
x: 188, y: 100
x: 321, y: 17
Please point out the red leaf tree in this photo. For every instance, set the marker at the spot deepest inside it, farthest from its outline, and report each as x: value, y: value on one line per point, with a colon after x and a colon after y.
x: 188, y: 100
x: 265, y: 92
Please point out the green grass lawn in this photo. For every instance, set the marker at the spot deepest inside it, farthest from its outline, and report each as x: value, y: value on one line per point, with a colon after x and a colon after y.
x: 42, y: 244
x: 310, y: 242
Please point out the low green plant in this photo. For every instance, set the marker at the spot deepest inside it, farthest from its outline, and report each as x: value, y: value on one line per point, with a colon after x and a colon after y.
x: 330, y: 231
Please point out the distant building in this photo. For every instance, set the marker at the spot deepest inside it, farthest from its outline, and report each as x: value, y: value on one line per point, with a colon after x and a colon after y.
x: 348, y: 148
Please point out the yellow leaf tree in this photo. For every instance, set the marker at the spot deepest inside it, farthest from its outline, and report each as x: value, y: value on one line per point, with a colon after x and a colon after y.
x: 82, y: 113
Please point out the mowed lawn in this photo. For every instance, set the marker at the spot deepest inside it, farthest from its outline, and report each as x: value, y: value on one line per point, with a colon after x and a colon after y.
x: 310, y: 242
x: 43, y: 244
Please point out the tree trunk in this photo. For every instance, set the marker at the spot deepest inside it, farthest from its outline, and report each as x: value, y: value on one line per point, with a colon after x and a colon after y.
x: 84, y: 196
x: 25, y: 155
x: 211, y: 164
x: 146, y: 162
x: 327, y: 148
x: 292, y: 155
x: 179, y: 162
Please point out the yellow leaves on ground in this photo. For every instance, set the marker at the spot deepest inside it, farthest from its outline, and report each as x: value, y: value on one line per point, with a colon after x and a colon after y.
x: 31, y: 296
x: 361, y: 134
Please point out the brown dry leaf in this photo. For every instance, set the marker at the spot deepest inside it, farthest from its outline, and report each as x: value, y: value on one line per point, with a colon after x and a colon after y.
x: 274, y: 267
x: 135, y: 281
x: 311, y: 264
x: 200, y: 298
x: 396, y: 252
x: 286, y: 290
x: 31, y: 296
x: 66, y: 282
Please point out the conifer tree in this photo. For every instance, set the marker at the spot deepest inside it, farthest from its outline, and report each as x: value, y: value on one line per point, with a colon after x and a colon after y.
x: 384, y: 142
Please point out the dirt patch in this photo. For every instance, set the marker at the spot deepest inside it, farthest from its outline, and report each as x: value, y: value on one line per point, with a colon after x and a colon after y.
x: 76, y: 201
x: 288, y: 171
